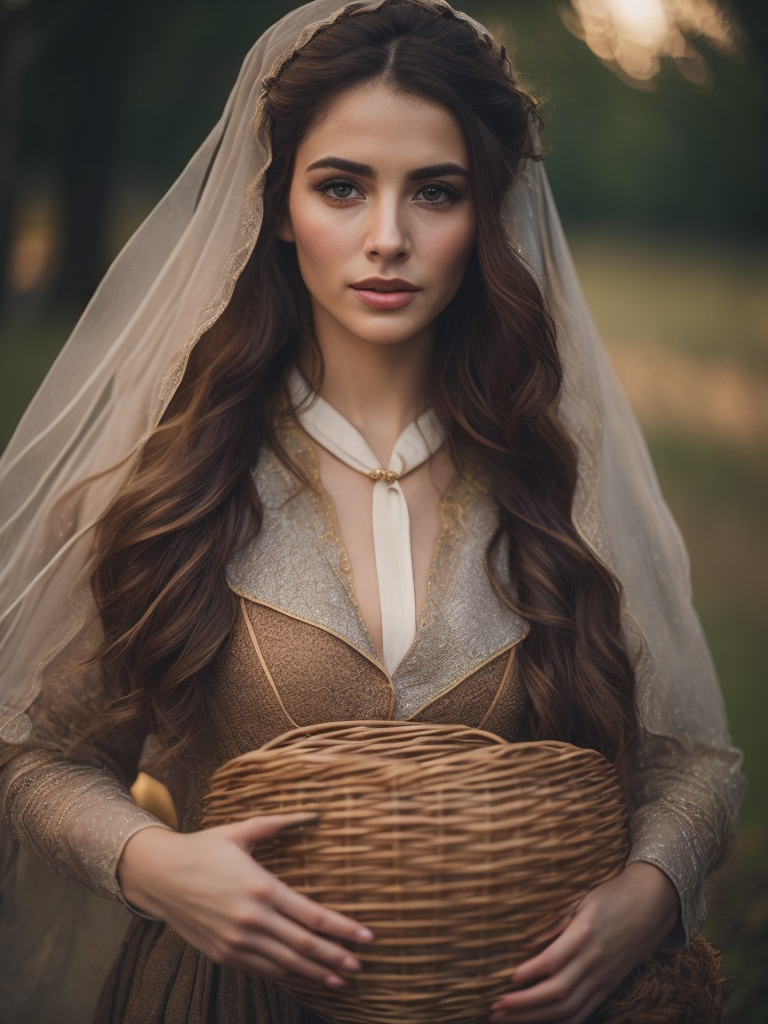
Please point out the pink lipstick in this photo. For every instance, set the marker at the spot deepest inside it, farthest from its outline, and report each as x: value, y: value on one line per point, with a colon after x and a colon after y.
x: 385, y: 293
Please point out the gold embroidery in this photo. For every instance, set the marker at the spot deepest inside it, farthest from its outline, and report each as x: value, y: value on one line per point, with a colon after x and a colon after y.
x: 458, y: 498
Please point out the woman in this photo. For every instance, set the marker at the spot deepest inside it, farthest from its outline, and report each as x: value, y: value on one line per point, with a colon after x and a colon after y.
x: 286, y: 345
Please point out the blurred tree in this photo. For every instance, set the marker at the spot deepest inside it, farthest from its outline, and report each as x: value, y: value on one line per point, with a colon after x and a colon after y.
x: 21, y: 32
x: 62, y: 76
x: 86, y: 59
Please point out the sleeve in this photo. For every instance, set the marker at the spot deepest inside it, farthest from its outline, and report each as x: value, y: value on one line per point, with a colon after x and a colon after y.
x: 73, y: 815
x: 684, y: 808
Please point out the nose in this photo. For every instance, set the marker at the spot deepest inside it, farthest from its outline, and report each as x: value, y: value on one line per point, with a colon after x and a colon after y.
x: 388, y: 237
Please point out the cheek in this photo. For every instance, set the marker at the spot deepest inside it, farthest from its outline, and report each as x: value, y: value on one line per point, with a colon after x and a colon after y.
x: 321, y: 240
x: 447, y: 251
x: 446, y: 254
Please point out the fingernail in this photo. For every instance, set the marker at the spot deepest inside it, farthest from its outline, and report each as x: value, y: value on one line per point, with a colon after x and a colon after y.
x: 350, y: 963
x: 334, y: 981
x: 364, y: 935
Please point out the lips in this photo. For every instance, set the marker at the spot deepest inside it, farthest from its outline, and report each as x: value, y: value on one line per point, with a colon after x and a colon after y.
x: 385, y: 293
x: 383, y: 284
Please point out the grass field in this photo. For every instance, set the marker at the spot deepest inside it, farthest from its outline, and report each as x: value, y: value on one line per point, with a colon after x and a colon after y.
x: 687, y: 326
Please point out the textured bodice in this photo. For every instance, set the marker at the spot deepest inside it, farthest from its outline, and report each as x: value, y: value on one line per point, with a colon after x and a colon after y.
x: 300, y: 653
x: 278, y: 672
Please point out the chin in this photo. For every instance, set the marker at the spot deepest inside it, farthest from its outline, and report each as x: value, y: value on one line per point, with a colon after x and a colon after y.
x: 390, y: 328
x: 387, y: 328
x: 387, y: 335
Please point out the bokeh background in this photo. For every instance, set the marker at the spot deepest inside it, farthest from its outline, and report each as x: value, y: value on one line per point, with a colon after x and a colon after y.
x: 657, y: 137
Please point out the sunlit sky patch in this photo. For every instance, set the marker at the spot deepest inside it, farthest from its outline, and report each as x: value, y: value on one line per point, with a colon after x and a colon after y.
x: 633, y: 36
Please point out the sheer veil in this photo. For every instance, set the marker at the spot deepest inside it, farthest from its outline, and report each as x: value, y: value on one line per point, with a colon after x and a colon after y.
x: 116, y: 374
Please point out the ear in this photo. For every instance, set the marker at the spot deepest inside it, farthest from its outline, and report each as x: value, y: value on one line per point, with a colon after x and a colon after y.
x: 285, y: 228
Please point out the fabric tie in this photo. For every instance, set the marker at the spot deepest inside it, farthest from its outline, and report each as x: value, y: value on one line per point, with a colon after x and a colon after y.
x: 391, y: 523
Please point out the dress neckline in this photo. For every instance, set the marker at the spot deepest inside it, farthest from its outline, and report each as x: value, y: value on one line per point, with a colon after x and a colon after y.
x: 389, y: 507
x: 298, y: 565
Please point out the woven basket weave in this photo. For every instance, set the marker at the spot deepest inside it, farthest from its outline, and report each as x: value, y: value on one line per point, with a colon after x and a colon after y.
x: 463, y: 853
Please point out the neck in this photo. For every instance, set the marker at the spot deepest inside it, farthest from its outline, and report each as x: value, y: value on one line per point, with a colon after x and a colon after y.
x: 379, y: 389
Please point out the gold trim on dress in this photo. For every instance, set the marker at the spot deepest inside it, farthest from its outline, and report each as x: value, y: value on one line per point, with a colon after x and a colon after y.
x: 263, y: 663
x: 316, y: 625
x: 502, y: 686
x: 476, y: 668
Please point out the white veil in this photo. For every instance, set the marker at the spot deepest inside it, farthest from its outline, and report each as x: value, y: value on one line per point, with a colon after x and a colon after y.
x: 116, y: 374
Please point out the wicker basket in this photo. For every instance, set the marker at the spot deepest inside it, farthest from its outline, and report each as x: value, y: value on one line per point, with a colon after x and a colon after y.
x: 463, y: 853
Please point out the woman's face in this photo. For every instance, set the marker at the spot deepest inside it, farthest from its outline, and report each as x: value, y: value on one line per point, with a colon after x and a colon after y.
x: 381, y: 213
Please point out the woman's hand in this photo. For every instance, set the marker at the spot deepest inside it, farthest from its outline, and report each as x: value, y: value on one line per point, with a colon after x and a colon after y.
x: 615, y: 927
x: 209, y: 889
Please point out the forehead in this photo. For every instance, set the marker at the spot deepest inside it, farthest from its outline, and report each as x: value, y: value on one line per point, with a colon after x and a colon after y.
x: 376, y: 124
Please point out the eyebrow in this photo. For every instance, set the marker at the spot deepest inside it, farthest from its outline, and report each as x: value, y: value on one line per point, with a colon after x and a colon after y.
x: 366, y: 171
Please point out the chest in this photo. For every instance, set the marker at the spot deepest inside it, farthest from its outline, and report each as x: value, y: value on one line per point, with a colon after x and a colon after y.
x: 300, y: 652
x: 298, y: 567
x: 350, y: 495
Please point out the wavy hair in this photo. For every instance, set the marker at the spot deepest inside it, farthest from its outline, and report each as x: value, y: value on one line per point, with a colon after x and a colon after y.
x: 163, y: 545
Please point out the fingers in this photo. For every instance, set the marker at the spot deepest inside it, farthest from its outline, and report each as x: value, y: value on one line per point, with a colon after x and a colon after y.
x: 555, y: 956
x: 313, y: 946
x: 612, y: 930
x: 554, y: 931
x: 255, y: 830
x: 573, y: 1008
x: 556, y: 986
x: 288, y: 960
x: 254, y: 964
x: 564, y: 998
x: 316, y: 917
x: 240, y: 914
x: 261, y: 940
x: 295, y: 948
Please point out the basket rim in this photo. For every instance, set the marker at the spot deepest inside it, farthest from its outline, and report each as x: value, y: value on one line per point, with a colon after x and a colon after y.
x: 289, y: 746
x: 383, y: 724
x: 292, y: 735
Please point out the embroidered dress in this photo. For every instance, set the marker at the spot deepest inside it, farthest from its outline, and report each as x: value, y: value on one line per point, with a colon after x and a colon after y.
x: 300, y: 654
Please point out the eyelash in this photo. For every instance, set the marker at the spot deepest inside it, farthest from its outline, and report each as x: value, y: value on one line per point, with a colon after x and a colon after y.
x: 452, y: 193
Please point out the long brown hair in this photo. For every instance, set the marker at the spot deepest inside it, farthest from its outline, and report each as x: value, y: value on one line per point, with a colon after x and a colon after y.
x: 162, y: 547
